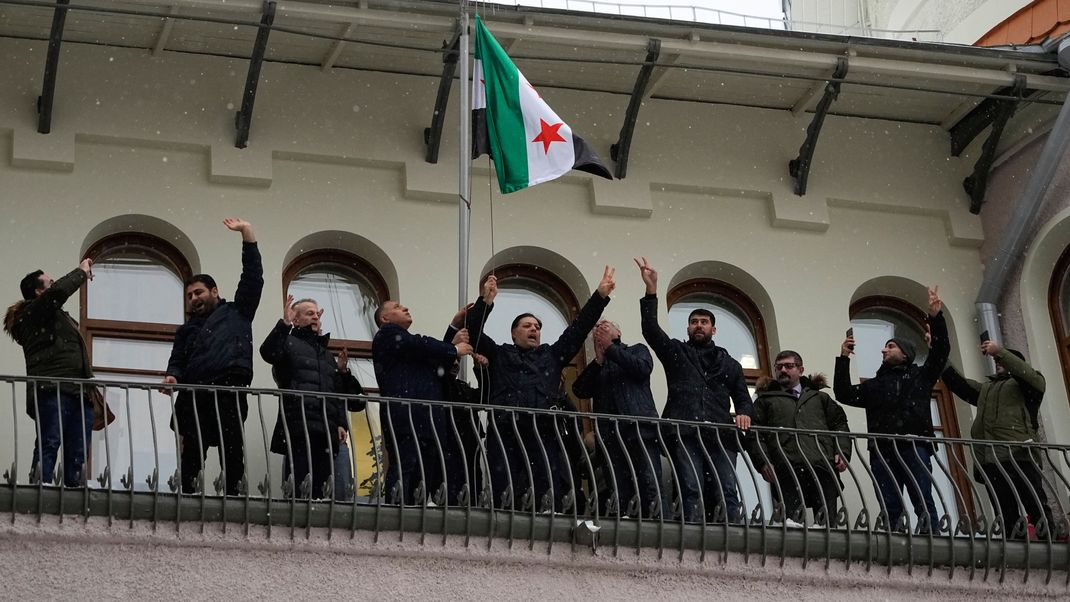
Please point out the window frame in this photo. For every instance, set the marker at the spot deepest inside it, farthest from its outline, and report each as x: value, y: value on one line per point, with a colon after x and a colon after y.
x: 1060, y: 328
x: 720, y: 288
x: 156, y: 248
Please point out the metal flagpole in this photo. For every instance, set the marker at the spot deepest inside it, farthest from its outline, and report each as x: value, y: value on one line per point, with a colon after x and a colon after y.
x: 464, y: 166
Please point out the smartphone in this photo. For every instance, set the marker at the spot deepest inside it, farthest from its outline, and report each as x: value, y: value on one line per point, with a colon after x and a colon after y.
x: 851, y: 335
x: 984, y: 337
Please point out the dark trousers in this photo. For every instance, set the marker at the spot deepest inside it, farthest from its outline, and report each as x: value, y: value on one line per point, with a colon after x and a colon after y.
x: 799, y: 487
x: 906, y: 466
x: 635, y: 461
x: 707, y: 484
x: 316, y: 459
x: 224, y: 429
x: 540, y: 481
x: 419, y: 465
x: 62, y: 417
x: 465, y: 468
x: 1002, y: 486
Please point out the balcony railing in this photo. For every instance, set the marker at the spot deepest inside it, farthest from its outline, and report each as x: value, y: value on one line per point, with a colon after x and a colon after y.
x: 544, y: 477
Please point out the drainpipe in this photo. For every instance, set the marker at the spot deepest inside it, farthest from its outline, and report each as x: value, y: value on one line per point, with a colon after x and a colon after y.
x: 1014, y: 239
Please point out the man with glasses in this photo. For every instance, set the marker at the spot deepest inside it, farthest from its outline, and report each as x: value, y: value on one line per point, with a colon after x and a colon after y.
x: 801, y: 467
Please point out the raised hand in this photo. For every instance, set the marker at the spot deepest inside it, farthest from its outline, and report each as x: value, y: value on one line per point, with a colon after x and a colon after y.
x: 458, y: 318
x: 342, y: 360
x: 481, y: 359
x: 87, y: 266
x: 990, y: 348
x: 288, y: 312
x: 607, y: 284
x: 648, y: 274
x: 461, y: 336
x: 237, y: 224
x: 935, y: 304
x: 490, y: 289
x: 847, y: 347
x: 463, y: 349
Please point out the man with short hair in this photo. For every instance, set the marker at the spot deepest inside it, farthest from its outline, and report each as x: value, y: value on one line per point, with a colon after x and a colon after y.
x: 898, y: 401
x: 412, y: 366
x: 527, y: 374
x: 310, y: 428
x: 54, y: 348
x: 215, y: 347
x: 802, y: 468
x: 1007, y: 410
x: 704, y: 380
x: 618, y: 382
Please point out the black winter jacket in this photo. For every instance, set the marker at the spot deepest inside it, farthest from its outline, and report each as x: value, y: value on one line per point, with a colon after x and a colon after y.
x: 702, y: 379
x: 301, y: 361
x: 50, y: 339
x: 410, y: 366
x: 621, y: 384
x: 531, y: 378
x: 898, y: 399
x: 208, y: 349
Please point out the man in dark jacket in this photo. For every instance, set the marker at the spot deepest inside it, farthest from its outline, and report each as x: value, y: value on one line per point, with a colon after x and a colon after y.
x: 618, y: 382
x: 215, y: 347
x: 527, y: 374
x: 703, y: 382
x: 898, y: 401
x: 411, y: 366
x: 53, y: 347
x: 1007, y: 410
x: 463, y: 426
x: 310, y: 428
x: 802, y: 468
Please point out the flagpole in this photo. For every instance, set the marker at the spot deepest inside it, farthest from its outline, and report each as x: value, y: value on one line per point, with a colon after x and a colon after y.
x: 464, y: 166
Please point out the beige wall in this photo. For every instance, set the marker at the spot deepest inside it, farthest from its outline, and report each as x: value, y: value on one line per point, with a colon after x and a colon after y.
x: 136, y: 135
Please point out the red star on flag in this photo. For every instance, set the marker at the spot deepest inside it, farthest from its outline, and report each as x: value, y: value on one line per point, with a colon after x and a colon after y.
x: 548, y: 134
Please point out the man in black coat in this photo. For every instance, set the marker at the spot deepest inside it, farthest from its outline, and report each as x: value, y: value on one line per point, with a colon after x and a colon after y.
x: 215, y: 347
x: 310, y: 428
x: 898, y: 401
x: 411, y: 366
x: 618, y: 382
x: 53, y: 347
x: 703, y: 382
x: 527, y: 374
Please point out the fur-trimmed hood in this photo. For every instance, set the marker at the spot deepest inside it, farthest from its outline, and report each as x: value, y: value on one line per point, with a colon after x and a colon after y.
x: 815, y: 382
x: 9, y: 317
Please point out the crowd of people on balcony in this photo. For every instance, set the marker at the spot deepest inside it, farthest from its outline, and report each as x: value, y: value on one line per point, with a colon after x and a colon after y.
x: 519, y: 456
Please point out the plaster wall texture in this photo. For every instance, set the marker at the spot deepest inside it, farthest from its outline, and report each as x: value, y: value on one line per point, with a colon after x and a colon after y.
x: 149, y: 141
x: 122, y: 563
x: 959, y: 21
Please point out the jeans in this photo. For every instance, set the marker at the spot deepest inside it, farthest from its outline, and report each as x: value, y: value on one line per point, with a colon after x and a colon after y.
x: 343, y: 474
x: 58, y: 415
x: 908, y: 465
x: 1002, y: 485
x: 797, y: 489
x: 719, y: 497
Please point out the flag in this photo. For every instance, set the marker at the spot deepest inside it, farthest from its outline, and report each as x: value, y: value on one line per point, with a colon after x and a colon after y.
x: 528, y: 142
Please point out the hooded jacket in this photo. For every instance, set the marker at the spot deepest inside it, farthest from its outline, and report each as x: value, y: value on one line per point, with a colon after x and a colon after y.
x: 1007, y: 406
x: 898, y: 399
x: 815, y: 410
x: 302, y: 361
x: 49, y: 336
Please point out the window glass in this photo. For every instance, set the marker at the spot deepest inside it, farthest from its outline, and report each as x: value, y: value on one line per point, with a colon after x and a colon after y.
x: 134, y: 288
x: 348, y: 301
x: 142, y: 423
x: 130, y: 353
x: 734, y: 330
x: 872, y: 329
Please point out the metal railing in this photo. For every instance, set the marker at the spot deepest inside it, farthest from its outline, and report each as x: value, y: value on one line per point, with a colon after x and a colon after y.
x: 512, y: 475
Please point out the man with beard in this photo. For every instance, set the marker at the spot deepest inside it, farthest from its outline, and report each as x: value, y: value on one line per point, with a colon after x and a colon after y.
x: 703, y: 382
x: 310, y: 428
x: 802, y: 468
x: 897, y: 402
x: 215, y: 347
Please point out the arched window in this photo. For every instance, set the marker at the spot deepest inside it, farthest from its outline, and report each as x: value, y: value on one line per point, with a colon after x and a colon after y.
x: 349, y: 290
x: 129, y: 314
x: 524, y: 288
x: 876, y: 319
x: 1059, y: 306
x: 740, y: 327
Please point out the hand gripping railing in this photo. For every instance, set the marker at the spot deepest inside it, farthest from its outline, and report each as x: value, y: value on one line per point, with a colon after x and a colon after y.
x: 594, y: 481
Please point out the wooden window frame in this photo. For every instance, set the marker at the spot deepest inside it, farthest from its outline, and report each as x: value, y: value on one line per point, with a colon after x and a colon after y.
x: 1060, y: 328
x: 356, y: 348
x: 719, y: 288
x: 945, y: 402
x: 168, y: 256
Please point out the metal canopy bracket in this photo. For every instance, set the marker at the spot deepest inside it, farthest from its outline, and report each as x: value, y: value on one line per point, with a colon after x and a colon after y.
x: 244, y: 118
x: 433, y: 134
x: 799, y: 168
x: 976, y: 183
x: 620, y: 150
x: 48, y: 86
